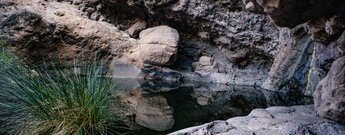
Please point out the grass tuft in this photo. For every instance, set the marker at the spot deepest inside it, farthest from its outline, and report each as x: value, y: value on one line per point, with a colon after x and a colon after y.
x: 55, y: 102
x: 6, y: 58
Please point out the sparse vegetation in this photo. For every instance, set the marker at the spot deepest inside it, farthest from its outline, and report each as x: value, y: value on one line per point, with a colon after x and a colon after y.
x: 55, y: 102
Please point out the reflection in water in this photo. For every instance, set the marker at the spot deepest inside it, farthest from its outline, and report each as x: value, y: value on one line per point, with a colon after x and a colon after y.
x: 153, y: 112
x: 167, y: 107
x: 124, y: 71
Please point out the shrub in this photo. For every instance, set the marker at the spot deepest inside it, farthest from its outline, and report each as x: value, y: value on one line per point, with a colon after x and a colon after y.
x: 55, y: 102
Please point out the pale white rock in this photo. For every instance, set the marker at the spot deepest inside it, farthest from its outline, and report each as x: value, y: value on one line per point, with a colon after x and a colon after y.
x: 158, y: 45
x: 297, y: 121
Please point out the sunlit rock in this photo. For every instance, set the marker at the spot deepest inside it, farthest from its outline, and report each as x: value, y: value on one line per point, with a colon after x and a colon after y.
x: 158, y: 45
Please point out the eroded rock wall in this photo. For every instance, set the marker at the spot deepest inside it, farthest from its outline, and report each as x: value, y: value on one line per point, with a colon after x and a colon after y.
x: 293, y: 59
x: 209, y: 40
x: 324, y: 21
x: 242, y: 45
x: 329, y: 95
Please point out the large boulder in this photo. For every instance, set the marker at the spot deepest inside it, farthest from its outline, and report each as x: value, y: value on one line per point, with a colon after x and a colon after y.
x: 329, y: 97
x: 158, y: 45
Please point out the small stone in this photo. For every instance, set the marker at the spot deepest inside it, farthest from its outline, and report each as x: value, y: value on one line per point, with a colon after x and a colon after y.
x: 131, y: 2
x: 90, y: 10
x: 260, y: 2
x: 102, y: 18
x: 82, y: 7
x: 99, y: 7
x: 206, y: 61
x: 95, y: 16
x: 138, y: 26
x: 258, y: 27
x: 237, y: 56
x: 77, y: 2
x: 333, y: 26
x: 84, y: 15
x: 260, y: 113
x: 204, y: 35
x: 250, y: 6
x: 59, y: 13
x: 222, y: 40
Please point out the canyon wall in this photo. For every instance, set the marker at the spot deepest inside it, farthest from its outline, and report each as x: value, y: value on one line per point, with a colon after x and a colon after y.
x: 324, y: 21
x: 279, y: 45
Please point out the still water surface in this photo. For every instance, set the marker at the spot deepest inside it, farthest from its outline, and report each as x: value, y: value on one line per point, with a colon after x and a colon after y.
x: 160, y: 108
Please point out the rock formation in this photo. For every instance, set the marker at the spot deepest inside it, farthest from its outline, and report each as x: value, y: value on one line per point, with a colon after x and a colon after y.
x: 329, y: 96
x: 158, y: 45
x: 289, y: 46
x: 295, y: 54
x: 242, y: 44
x: 324, y: 21
x: 46, y: 32
x: 290, y: 13
x: 295, y: 120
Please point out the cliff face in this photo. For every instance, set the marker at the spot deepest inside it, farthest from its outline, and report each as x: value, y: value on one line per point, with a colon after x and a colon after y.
x: 280, y: 45
x: 324, y: 21
x: 239, y: 46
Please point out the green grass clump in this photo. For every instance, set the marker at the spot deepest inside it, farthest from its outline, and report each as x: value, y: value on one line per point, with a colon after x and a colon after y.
x: 55, y: 102
x: 6, y: 57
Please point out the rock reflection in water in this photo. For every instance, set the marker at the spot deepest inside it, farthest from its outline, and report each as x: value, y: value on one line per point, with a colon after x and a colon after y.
x: 153, y: 112
x: 167, y: 107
